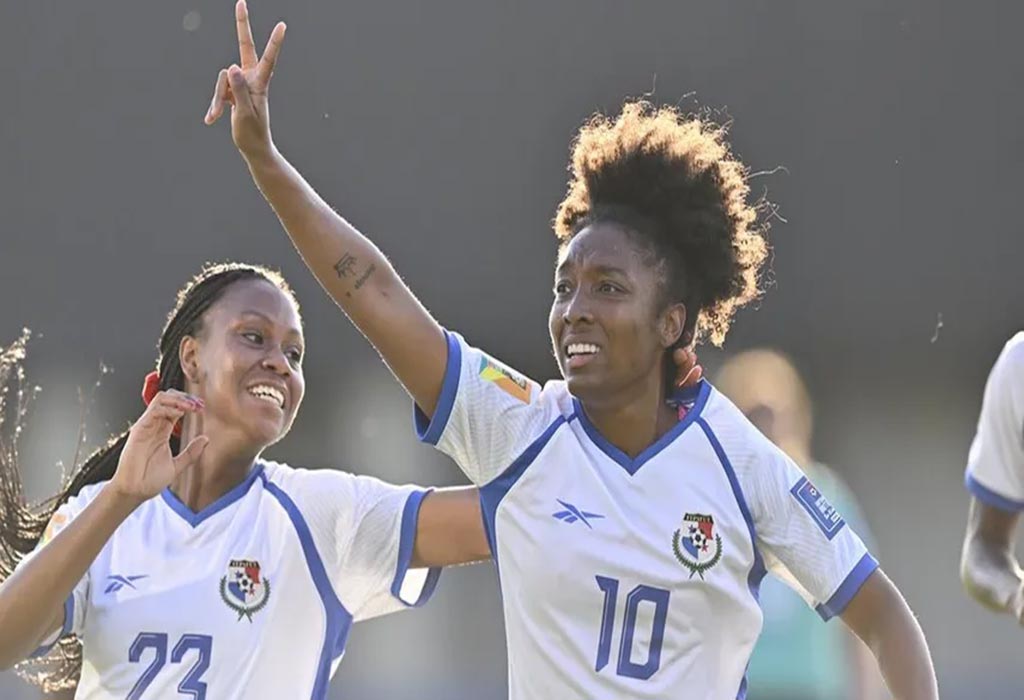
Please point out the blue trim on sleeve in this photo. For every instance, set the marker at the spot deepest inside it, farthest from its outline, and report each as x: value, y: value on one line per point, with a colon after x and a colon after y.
x: 628, y: 463
x: 407, y: 539
x: 848, y: 588
x: 494, y: 491
x: 69, y: 622
x: 429, y: 430
x: 757, y: 569
x: 194, y: 519
x: 339, y: 620
x: 990, y: 497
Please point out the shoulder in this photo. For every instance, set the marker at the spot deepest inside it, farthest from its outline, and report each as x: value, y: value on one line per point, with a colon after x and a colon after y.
x: 1010, y: 364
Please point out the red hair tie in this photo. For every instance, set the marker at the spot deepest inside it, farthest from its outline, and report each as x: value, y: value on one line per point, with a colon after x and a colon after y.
x: 150, y: 388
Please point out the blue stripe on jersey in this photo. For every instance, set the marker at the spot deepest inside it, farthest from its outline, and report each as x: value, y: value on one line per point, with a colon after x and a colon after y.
x: 194, y: 519
x: 492, y: 492
x: 625, y: 461
x: 339, y: 620
x: 410, y: 517
x: 429, y: 430
x: 990, y: 497
x: 69, y: 621
x: 757, y: 569
x: 848, y: 588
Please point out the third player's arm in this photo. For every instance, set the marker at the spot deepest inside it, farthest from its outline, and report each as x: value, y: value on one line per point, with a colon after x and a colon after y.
x: 880, y: 616
x: 348, y: 265
x: 988, y: 566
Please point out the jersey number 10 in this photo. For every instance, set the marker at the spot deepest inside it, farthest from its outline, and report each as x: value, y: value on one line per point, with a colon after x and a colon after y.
x: 626, y: 666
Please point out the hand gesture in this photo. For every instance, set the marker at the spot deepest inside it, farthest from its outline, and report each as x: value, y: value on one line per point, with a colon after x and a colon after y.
x: 245, y: 88
x: 147, y: 466
x: 688, y: 372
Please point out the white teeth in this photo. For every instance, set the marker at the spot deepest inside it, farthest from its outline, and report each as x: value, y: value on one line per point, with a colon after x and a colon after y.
x: 268, y: 393
x: 581, y: 349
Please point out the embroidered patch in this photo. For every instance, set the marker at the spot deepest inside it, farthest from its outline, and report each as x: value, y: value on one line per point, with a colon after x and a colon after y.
x: 245, y: 589
x: 507, y: 380
x: 817, y: 506
x: 696, y: 544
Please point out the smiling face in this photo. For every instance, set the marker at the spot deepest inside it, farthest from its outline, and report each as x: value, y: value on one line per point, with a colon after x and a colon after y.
x: 608, y: 323
x: 246, y: 364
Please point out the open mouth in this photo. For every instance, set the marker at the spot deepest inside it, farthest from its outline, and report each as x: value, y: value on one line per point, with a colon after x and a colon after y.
x: 579, y: 354
x: 268, y: 393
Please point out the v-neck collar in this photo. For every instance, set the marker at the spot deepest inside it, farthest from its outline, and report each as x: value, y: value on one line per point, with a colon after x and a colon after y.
x: 195, y: 519
x: 631, y: 464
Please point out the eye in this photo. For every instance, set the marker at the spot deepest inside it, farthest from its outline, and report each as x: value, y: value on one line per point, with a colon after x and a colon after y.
x: 253, y: 337
x: 295, y: 356
x: 562, y: 288
x: 609, y: 287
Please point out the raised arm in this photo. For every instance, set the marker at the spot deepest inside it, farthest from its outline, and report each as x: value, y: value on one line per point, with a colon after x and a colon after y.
x: 348, y: 265
x: 32, y: 599
x: 880, y: 616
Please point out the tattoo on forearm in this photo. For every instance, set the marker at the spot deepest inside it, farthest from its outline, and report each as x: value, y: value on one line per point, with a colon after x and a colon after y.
x: 343, y: 268
x: 366, y: 275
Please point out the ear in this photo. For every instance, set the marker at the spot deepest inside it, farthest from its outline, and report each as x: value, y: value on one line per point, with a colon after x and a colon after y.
x: 673, y: 321
x: 188, y: 356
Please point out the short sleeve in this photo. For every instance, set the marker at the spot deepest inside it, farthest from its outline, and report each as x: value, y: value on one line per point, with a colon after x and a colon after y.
x: 486, y: 415
x: 804, y: 538
x: 365, y: 530
x: 995, y: 464
x: 75, y: 605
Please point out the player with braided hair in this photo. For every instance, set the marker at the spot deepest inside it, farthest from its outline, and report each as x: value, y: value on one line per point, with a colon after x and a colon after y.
x: 178, y: 562
x: 631, y: 523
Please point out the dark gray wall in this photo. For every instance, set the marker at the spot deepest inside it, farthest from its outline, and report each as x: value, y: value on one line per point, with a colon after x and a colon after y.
x: 442, y: 129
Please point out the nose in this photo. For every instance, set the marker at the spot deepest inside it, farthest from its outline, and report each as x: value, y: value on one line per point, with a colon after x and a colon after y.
x: 577, y: 309
x: 276, y: 361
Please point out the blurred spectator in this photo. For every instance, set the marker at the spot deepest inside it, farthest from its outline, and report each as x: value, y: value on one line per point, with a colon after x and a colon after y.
x: 798, y: 657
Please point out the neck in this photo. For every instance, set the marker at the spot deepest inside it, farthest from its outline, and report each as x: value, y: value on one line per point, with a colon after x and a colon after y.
x: 633, y: 423
x: 219, y: 470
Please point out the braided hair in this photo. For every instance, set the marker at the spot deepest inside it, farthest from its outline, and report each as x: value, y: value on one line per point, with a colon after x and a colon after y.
x: 22, y: 524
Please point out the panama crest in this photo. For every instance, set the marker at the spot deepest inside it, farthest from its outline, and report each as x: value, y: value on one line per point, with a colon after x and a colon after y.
x: 245, y: 590
x: 696, y: 544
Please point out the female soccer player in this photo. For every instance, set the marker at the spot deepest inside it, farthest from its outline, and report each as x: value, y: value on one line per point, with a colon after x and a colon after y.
x: 995, y: 479
x: 186, y: 564
x: 630, y: 536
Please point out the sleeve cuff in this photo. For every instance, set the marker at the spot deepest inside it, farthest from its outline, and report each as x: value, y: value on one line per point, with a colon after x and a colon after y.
x: 422, y: 586
x: 429, y: 430
x: 65, y: 630
x: 990, y: 497
x: 848, y: 588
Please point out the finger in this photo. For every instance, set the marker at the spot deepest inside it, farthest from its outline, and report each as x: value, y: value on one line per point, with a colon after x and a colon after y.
x: 246, y: 46
x: 175, y: 395
x: 191, y: 454
x: 243, y: 100
x: 220, y: 96
x: 265, y: 69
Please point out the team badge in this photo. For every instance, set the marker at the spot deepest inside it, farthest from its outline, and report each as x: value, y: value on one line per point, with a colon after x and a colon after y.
x: 245, y: 590
x: 696, y: 544
x: 507, y: 380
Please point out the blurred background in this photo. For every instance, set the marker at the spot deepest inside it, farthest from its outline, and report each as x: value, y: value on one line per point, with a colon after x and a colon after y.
x: 892, y: 130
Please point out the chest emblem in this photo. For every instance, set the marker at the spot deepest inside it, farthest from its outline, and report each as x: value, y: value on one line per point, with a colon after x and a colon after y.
x: 244, y: 589
x: 696, y: 544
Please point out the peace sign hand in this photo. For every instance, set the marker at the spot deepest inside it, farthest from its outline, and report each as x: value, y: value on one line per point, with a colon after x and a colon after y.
x: 245, y: 88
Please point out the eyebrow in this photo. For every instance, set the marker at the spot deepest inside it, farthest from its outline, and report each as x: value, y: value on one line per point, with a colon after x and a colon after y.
x: 601, y: 269
x: 262, y: 316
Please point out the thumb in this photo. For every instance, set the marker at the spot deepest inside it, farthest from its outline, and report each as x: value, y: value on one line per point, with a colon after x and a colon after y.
x: 191, y: 454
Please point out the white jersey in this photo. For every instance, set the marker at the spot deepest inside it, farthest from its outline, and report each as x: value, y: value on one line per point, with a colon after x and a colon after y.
x: 995, y: 465
x: 634, y: 577
x: 253, y: 597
